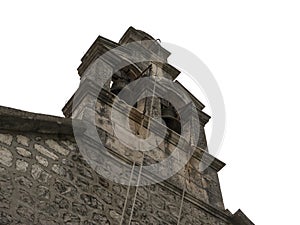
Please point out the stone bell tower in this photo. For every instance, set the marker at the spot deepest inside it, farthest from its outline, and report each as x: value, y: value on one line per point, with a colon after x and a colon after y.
x: 112, y: 83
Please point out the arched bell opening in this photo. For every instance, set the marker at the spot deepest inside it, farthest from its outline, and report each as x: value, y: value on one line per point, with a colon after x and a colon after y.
x: 126, y: 75
x: 170, y: 116
x: 120, y: 79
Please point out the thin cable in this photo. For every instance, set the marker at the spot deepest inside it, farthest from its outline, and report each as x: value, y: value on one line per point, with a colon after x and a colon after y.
x: 128, y: 189
x: 136, y: 190
x: 147, y: 131
x: 181, y: 205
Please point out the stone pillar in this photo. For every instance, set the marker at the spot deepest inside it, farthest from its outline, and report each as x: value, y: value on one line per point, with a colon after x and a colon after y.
x: 196, y: 124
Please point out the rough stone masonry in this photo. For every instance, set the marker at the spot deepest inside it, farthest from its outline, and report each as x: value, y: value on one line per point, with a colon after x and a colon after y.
x: 45, y: 179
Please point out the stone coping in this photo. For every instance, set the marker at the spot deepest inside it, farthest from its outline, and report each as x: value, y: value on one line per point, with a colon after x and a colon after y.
x: 239, y: 218
x: 19, y: 120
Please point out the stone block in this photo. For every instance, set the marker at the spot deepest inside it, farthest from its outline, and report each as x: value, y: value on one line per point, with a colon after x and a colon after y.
x: 23, y: 140
x: 23, y: 182
x: 23, y: 152
x: 56, y: 147
x: 6, y: 139
x: 21, y: 165
x: 41, y: 149
x: 6, y: 157
x: 39, y: 174
x: 41, y: 160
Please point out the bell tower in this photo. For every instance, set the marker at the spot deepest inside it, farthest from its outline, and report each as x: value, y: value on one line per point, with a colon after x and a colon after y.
x: 128, y: 94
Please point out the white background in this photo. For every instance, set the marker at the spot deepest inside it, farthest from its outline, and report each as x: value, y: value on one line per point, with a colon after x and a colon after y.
x: 251, y: 47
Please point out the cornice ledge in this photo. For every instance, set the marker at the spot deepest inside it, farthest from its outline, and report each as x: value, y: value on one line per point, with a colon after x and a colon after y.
x: 208, y: 159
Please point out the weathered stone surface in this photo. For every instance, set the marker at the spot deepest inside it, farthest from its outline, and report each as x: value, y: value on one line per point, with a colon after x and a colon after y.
x: 70, y: 145
x: 6, y: 139
x: 42, y: 192
x: 39, y: 174
x: 79, y: 209
x: 41, y: 160
x: 6, y: 156
x: 55, y: 146
x: 62, y: 203
x: 23, y: 182
x: 77, y: 195
x: 23, y: 140
x: 71, y: 219
x: 100, y: 219
x: 78, y: 190
x: 90, y: 201
x: 58, y: 169
x: 4, y: 201
x: 21, y: 165
x: 25, y: 197
x: 65, y: 188
x: 45, y: 219
x: 23, y: 152
x: 115, y: 215
x: 26, y: 213
x: 36, y: 171
x: 5, y: 219
x: 45, y: 152
x: 48, y: 208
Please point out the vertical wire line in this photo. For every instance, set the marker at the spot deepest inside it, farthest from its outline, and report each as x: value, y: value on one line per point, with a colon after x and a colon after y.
x: 128, y: 189
x: 147, y: 132
x: 136, y: 190
x: 181, y: 205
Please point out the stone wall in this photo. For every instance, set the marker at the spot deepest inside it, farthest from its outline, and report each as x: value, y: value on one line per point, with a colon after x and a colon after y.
x: 45, y: 180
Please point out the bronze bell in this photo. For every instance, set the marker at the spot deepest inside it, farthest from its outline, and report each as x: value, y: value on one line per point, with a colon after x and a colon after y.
x: 170, y: 117
x: 118, y: 85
